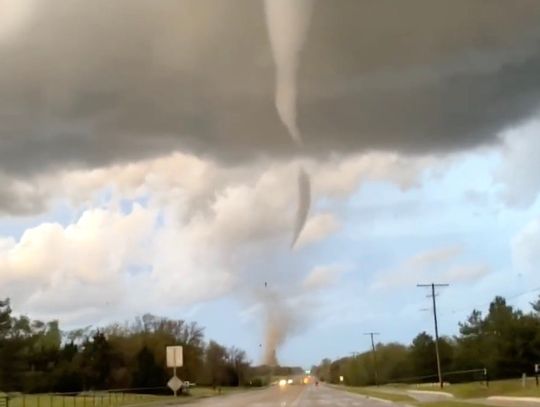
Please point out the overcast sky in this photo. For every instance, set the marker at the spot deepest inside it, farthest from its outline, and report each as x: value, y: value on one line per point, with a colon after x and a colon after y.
x: 144, y: 167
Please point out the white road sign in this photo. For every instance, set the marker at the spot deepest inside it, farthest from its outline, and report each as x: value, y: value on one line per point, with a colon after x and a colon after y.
x: 174, y: 384
x: 175, y: 356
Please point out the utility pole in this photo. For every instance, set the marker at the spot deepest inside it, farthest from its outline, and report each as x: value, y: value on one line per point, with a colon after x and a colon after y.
x: 433, y: 285
x: 376, y: 373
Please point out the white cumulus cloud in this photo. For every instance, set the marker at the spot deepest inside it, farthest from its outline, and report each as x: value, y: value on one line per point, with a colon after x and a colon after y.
x: 196, y: 230
x: 526, y: 247
x: 322, y: 277
x: 439, y: 264
x: 519, y: 173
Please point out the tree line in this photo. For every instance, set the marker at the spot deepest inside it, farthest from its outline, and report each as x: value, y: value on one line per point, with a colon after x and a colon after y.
x: 505, y: 342
x: 37, y: 356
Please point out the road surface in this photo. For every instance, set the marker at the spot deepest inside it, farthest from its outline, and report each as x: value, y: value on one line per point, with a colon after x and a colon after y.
x: 292, y: 396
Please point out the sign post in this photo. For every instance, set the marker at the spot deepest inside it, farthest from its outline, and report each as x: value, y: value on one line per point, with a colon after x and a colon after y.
x: 174, y: 359
x: 536, y: 371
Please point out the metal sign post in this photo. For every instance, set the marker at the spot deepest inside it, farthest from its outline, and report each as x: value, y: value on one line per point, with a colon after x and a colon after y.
x: 175, y: 358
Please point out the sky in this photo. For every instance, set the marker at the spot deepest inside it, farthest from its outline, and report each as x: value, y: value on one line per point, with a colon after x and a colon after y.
x: 149, y: 155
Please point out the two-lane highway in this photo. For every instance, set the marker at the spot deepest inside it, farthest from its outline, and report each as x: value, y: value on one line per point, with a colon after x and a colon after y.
x: 292, y: 396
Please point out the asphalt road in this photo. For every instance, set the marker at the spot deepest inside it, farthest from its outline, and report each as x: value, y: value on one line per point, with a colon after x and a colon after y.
x: 292, y: 396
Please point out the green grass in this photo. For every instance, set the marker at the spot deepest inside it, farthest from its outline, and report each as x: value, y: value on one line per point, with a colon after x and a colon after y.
x: 497, y: 388
x: 102, y: 399
x: 88, y: 400
x: 451, y: 404
x: 195, y: 393
x: 382, y: 395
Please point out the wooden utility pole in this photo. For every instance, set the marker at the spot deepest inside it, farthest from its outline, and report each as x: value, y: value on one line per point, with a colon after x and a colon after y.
x: 376, y: 372
x: 433, y: 285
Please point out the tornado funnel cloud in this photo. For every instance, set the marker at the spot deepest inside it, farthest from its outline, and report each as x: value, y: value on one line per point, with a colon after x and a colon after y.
x: 287, y: 22
x: 304, y: 203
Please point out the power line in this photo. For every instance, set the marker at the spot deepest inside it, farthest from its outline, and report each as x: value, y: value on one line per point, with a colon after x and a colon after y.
x: 433, y: 296
x: 376, y: 373
x: 523, y: 293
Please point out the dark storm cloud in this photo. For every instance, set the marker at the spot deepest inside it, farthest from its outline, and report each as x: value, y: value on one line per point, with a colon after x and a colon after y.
x: 94, y: 82
x: 418, y: 76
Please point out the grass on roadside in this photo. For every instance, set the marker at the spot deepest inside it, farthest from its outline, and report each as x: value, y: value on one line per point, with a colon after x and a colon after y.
x: 82, y: 400
x: 381, y: 395
x: 451, y: 404
x: 195, y: 393
x: 512, y: 387
x: 103, y: 399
